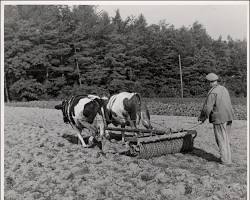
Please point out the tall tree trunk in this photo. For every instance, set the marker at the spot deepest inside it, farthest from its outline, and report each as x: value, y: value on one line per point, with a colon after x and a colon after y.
x: 78, y: 70
x: 6, y: 89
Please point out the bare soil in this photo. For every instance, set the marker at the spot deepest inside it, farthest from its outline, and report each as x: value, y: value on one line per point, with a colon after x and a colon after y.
x: 41, y: 163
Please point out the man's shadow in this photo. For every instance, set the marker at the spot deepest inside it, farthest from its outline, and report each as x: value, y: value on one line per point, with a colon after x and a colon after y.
x: 205, y: 155
x: 74, y: 139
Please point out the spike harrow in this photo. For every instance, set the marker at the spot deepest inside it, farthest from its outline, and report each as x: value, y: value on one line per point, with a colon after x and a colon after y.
x: 152, y: 143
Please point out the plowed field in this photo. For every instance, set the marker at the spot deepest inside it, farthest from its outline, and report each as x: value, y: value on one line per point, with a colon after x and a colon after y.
x: 41, y: 164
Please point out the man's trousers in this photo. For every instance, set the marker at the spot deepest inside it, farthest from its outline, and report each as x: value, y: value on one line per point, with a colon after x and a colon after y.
x: 222, y: 137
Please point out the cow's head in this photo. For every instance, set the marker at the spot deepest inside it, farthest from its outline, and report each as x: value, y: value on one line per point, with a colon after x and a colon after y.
x: 104, y: 102
x: 63, y: 108
x: 144, y: 113
x: 145, y: 116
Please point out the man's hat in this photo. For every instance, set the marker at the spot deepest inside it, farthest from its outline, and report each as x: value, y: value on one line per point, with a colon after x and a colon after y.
x: 212, y: 77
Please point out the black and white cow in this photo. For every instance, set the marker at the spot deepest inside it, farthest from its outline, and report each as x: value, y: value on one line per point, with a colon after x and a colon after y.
x: 127, y: 109
x: 84, y: 112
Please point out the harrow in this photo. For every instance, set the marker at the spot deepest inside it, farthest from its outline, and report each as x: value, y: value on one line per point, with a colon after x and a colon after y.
x: 152, y: 143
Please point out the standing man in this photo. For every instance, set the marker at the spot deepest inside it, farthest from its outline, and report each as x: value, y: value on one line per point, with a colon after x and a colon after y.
x: 218, y: 109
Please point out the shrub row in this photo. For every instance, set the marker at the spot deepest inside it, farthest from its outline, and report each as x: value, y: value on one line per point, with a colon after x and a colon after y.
x: 170, y: 107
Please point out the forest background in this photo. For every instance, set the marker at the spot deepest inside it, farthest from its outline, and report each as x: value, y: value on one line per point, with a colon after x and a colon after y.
x: 51, y: 52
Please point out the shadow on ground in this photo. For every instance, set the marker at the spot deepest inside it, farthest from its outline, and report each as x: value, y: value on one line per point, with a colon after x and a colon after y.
x: 114, y: 136
x: 205, y: 155
x: 74, y: 140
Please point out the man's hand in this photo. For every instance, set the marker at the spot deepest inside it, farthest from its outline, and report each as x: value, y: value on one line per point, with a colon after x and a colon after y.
x: 202, y: 118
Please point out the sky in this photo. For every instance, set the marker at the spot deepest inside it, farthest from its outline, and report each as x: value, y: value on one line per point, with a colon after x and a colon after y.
x: 218, y: 20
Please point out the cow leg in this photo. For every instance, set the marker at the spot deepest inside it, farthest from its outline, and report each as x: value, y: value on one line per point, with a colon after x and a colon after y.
x: 100, y: 124
x: 81, y: 139
x: 132, y: 124
x: 91, y: 140
x: 89, y: 126
x: 123, y: 133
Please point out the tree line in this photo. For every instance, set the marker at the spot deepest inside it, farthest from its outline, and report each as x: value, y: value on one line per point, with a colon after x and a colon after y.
x: 52, y: 51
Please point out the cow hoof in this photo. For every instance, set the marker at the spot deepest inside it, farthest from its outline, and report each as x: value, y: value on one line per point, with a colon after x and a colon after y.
x: 91, y: 144
x: 127, y: 145
x: 87, y: 145
x: 91, y: 141
x: 101, y: 153
x: 107, y: 136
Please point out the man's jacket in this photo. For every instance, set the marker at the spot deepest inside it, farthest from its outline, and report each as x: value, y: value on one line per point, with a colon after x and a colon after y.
x: 217, y: 107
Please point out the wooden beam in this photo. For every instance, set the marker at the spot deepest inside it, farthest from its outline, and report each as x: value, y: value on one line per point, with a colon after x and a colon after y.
x: 153, y: 131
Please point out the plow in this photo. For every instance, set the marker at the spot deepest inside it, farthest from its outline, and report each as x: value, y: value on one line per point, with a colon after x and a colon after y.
x: 153, y: 143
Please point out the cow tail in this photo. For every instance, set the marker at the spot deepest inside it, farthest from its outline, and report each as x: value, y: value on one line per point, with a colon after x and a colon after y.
x: 70, y: 111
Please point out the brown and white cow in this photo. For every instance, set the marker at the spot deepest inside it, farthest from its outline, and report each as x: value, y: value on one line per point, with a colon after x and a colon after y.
x: 84, y: 112
x: 127, y: 109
